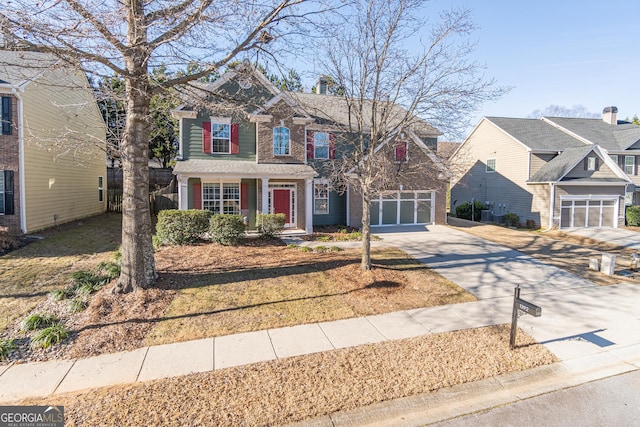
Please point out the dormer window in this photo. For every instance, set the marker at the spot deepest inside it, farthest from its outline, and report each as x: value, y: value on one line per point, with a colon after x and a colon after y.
x: 281, y: 141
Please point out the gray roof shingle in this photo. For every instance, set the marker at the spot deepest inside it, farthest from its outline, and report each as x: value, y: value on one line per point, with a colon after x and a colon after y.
x: 18, y: 68
x: 610, y: 137
x: 246, y: 169
x: 536, y: 134
x: 559, y: 166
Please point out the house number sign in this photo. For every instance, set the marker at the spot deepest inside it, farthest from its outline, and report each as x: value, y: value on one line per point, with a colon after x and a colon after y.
x: 521, y: 306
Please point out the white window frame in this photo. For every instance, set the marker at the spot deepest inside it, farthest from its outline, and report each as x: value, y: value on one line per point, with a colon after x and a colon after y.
x: 491, y: 169
x: 317, y: 183
x: 316, y: 145
x: 632, y: 165
x: 288, y: 142
x: 221, y: 121
x: 222, y: 204
x: 100, y: 188
x: 591, y: 163
x: 614, y: 157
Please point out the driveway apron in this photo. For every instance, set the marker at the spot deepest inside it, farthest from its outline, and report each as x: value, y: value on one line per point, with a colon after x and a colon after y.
x: 578, y: 318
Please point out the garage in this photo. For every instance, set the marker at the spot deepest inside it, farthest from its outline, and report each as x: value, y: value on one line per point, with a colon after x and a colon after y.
x: 580, y: 212
x: 403, y: 208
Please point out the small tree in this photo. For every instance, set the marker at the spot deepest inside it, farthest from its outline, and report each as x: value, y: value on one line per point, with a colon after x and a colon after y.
x: 388, y: 89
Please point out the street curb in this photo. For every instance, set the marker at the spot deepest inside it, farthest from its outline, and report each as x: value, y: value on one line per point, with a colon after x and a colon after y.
x: 468, y: 398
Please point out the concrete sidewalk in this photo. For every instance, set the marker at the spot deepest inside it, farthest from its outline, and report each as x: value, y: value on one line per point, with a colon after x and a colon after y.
x: 42, y: 379
x: 592, y: 330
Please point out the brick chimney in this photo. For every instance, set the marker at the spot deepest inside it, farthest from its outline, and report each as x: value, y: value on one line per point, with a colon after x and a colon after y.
x: 609, y: 115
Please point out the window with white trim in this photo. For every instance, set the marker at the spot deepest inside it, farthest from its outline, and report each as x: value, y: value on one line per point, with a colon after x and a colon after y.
x: 320, y: 197
x: 220, y: 137
x: 491, y: 165
x: 321, y: 145
x: 629, y: 165
x: 281, y: 141
x: 100, y: 189
x: 225, y: 200
x: 591, y: 163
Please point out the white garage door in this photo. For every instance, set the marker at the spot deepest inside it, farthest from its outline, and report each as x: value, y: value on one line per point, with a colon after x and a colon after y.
x: 403, y: 207
x: 579, y: 213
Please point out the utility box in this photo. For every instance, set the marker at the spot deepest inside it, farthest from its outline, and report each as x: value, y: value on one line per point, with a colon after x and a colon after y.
x: 608, y: 265
x: 594, y: 264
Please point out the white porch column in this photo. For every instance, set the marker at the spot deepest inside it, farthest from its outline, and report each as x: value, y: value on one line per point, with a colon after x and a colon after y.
x: 308, y: 205
x: 183, y: 193
x: 265, y: 195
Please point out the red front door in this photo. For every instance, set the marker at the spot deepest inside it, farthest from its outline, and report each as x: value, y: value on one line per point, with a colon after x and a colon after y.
x: 282, y: 203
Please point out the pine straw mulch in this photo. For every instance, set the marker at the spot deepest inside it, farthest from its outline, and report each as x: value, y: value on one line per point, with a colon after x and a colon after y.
x: 209, y: 290
x: 288, y: 390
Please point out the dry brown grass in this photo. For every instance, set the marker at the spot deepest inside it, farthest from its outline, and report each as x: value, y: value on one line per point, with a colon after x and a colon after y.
x: 293, y: 389
x: 29, y: 273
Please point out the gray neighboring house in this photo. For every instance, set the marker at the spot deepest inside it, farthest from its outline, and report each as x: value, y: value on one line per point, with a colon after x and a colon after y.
x: 557, y: 172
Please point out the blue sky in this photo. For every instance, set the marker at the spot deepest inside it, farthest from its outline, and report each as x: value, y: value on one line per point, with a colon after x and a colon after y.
x: 558, y: 53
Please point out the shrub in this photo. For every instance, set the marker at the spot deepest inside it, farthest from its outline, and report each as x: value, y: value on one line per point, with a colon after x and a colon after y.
x: 465, y: 211
x: 227, y: 230
x: 270, y: 225
x: 511, y: 219
x: 6, y: 345
x: 49, y: 336
x: 38, y: 321
x: 531, y: 225
x: 181, y: 227
x: 335, y: 249
x: 633, y: 215
x: 77, y: 305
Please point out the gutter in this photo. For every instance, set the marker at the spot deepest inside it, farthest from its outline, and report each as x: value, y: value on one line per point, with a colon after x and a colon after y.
x: 23, y: 202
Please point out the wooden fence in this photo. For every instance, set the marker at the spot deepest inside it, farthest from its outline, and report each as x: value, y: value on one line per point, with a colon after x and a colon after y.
x: 157, y: 201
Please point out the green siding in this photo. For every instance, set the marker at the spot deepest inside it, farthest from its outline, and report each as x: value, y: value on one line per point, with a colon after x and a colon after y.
x: 192, y: 141
x: 253, y: 201
x: 337, y: 211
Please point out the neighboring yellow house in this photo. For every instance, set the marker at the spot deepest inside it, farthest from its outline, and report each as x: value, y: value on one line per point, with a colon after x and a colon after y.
x: 52, y: 144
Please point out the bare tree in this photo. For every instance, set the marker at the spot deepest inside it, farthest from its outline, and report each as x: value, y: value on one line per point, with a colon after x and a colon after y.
x: 578, y: 111
x: 400, y: 73
x: 129, y: 38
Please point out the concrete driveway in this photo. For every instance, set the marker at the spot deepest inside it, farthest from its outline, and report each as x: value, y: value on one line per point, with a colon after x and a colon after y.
x: 617, y: 236
x: 578, y: 318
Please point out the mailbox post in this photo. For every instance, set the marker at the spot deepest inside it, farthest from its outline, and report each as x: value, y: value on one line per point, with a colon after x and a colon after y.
x: 520, y: 305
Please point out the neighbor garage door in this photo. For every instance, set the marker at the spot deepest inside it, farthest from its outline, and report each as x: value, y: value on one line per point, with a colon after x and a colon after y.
x: 580, y: 213
x: 403, y: 207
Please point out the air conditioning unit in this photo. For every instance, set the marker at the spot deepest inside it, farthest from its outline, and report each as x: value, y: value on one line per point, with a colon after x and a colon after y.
x: 498, y: 219
x: 486, y: 216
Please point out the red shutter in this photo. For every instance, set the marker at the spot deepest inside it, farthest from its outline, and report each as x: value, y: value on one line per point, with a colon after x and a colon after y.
x: 197, y: 195
x: 235, y: 144
x: 206, y: 137
x: 401, y: 151
x: 332, y: 146
x: 244, y: 196
x: 310, y: 144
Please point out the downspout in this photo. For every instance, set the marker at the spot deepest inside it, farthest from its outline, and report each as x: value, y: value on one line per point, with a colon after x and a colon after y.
x: 552, y: 204
x: 23, y: 204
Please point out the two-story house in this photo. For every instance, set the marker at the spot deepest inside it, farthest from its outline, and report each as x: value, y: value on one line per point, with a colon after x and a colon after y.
x: 52, y: 144
x: 557, y: 172
x: 253, y: 148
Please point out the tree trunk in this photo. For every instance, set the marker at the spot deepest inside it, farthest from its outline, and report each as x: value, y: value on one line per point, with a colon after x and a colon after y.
x: 365, y: 263
x: 138, y: 265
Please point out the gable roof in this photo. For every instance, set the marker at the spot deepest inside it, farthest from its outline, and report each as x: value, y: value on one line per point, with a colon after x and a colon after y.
x: 596, y: 131
x: 19, y: 68
x: 535, y: 134
x: 558, y: 167
x: 336, y: 109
